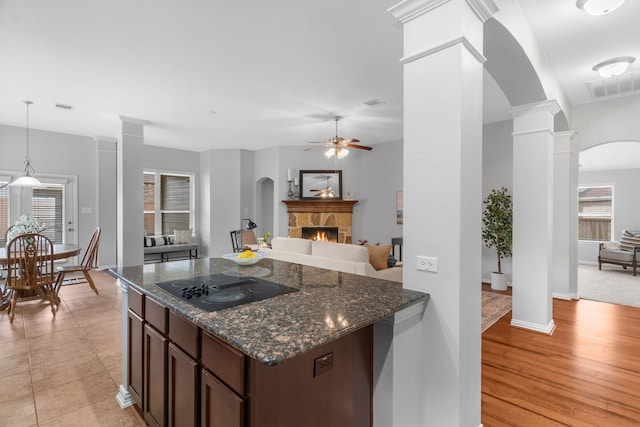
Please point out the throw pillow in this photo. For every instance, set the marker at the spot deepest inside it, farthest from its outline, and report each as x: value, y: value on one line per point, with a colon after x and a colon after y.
x: 182, y: 236
x: 378, y: 256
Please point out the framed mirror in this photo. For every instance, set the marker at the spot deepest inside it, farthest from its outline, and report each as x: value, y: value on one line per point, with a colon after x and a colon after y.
x: 320, y: 184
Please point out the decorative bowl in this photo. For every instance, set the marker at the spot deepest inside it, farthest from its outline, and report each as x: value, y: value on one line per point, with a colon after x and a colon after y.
x: 245, y: 261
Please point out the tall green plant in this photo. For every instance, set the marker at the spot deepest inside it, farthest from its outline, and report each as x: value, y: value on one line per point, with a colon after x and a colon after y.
x: 497, y: 223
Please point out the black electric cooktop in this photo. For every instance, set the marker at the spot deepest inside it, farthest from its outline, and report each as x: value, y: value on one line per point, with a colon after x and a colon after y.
x: 218, y: 291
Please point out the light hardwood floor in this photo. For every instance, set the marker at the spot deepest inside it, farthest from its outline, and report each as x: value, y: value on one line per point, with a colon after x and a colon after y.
x: 587, y: 373
x: 66, y: 371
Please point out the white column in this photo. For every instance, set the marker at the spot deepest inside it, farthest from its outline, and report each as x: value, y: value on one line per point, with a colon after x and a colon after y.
x: 123, y: 397
x: 130, y: 160
x: 533, y: 140
x: 564, y: 284
x: 443, y: 67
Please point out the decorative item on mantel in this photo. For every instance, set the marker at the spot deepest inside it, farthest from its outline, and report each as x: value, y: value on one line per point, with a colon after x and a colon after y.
x: 290, y: 184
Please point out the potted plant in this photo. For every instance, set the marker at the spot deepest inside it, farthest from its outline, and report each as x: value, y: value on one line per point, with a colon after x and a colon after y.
x: 497, y: 231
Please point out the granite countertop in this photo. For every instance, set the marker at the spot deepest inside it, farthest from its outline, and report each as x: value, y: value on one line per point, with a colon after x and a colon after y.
x: 330, y: 304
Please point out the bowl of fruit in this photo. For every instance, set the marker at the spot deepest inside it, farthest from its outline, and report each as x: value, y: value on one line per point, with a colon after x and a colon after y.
x: 247, y: 257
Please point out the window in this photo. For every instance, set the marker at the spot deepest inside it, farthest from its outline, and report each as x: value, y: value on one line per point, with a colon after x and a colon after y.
x: 168, y: 202
x: 595, y: 207
x: 47, y: 205
x: 4, y: 210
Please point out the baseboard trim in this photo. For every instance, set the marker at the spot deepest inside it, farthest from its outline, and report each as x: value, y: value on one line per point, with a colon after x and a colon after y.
x: 545, y: 329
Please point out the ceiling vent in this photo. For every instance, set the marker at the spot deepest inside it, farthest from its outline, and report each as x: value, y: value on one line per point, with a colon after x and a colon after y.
x: 618, y: 85
x: 373, y: 102
x: 64, y: 106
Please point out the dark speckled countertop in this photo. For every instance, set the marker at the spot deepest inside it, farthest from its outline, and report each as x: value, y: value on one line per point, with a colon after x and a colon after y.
x: 330, y: 304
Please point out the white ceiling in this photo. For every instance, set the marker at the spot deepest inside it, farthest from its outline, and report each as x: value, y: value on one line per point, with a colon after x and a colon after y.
x: 209, y: 74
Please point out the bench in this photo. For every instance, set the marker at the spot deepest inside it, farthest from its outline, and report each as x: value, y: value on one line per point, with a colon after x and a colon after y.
x: 164, y: 246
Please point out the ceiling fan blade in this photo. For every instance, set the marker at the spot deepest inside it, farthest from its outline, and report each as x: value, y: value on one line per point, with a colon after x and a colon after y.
x: 314, y: 148
x: 361, y: 147
x: 350, y: 140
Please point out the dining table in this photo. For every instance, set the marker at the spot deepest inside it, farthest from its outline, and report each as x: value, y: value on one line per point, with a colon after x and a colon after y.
x: 60, y: 251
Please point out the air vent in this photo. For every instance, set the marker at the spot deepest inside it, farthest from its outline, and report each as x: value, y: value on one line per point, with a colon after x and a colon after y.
x: 373, y: 102
x: 618, y: 85
x: 64, y: 106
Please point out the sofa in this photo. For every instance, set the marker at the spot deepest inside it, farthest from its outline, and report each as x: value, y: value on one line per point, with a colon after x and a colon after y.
x: 343, y: 257
x: 159, y: 248
x: 624, y: 253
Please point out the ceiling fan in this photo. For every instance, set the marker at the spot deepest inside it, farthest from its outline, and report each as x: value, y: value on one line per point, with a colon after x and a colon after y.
x: 338, y: 145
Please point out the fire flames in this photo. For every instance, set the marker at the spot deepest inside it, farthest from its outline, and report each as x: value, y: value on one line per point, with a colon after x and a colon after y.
x: 320, y: 235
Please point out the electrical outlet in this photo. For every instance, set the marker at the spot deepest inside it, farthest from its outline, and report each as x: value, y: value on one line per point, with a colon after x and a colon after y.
x: 426, y: 263
x: 322, y: 364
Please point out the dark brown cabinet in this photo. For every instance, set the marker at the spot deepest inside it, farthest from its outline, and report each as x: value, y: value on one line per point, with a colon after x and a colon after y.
x: 155, y: 372
x: 183, y: 391
x: 181, y: 375
x: 221, y: 407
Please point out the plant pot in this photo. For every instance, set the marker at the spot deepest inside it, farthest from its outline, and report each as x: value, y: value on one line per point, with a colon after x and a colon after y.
x: 498, y: 281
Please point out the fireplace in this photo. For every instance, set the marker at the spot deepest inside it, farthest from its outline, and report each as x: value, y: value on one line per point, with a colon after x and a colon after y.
x: 326, y: 234
x: 327, y: 213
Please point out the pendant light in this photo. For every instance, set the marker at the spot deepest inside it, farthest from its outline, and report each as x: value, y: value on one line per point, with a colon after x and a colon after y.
x: 27, y: 179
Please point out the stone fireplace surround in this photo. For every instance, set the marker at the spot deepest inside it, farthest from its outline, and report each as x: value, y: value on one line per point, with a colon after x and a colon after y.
x: 321, y: 213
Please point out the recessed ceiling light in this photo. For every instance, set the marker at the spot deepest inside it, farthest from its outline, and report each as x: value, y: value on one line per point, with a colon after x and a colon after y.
x: 599, y: 7
x: 614, y: 66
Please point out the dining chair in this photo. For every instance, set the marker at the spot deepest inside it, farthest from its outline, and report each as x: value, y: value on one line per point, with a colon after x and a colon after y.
x: 30, y: 270
x: 236, y: 240
x: 89, y: 262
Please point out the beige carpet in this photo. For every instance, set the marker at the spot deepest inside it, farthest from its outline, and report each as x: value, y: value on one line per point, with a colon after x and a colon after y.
x: 494, y: 306
x: 612, y: 284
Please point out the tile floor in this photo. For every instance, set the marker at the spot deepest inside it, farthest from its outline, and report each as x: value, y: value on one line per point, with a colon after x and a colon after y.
x: 64, y: 370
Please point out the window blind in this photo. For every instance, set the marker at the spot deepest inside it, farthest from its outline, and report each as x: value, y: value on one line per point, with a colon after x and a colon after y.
x: 47, y: 206
x: 4, y: 212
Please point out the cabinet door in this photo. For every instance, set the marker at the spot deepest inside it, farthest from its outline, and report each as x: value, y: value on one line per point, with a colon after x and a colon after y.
x: 136, y: 357
x: 155, y: 377
x: 221, y: 407
x: 183, y: 389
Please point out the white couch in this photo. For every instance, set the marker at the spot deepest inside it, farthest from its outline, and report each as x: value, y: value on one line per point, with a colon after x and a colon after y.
x: 333, y: 256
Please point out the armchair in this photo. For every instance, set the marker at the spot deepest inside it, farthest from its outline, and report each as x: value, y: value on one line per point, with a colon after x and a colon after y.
x: 624, y: 253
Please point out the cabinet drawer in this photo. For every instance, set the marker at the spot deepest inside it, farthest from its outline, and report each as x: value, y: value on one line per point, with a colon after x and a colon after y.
x: 157, y: 315
x: 225, y: 362
x: 136, y: 302
x: 184, y: 333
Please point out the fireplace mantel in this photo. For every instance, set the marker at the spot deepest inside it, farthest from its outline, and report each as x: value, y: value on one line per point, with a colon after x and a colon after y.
x: 320, y: 206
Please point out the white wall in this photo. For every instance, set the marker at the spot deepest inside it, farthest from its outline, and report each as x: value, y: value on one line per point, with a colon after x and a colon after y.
x: 497, y: 172
x: 626, y: 205
x: 55, y: 153
x: 381, y: 178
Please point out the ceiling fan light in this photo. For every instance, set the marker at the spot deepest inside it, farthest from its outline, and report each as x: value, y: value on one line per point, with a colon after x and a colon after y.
x: 342, y: 152
x: 614, y: 67
x: 330, y: 152
x: 599, y: 7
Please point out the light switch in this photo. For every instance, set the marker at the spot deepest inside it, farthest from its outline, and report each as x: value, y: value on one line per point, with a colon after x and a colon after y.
x: 426, y: 263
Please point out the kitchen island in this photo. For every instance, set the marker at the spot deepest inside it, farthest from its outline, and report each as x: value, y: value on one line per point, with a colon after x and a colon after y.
x: 302, y: 356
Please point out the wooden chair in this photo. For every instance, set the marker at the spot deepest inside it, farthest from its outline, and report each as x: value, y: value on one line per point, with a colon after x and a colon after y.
x: 236, y: 240
x: 243, y: 239
x: 89, y: 262
x: 30, y: 269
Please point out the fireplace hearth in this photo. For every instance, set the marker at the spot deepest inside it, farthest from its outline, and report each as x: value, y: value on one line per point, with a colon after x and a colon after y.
x: 326, y: 234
